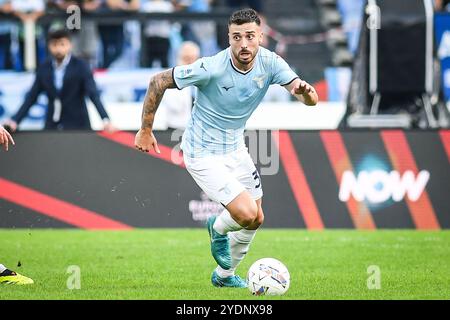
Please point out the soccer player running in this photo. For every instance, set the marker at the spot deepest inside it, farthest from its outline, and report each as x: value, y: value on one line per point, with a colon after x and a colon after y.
x: 230, y: 85
x: 6, y: 275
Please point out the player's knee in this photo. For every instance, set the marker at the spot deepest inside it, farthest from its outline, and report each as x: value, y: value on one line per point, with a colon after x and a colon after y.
x: 259, y: 220
x: 248, y: 213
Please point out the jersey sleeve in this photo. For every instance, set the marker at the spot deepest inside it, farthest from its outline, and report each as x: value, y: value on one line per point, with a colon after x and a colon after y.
x: 282, y: 74
x: 195, y: 74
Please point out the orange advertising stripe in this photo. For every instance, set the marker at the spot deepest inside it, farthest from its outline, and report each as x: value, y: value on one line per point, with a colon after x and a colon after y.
x: 297, y: 180
x: 127, y: 139
x: 340, y: 162
x: 57, y: 208
x: 402, y: 159
x: 445, y: 137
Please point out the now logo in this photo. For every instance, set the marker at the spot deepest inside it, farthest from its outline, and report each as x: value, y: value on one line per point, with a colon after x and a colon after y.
x: 379, y: 186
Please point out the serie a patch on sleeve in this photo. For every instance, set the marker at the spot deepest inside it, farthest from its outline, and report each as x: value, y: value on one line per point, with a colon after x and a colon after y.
x: 185, y: 72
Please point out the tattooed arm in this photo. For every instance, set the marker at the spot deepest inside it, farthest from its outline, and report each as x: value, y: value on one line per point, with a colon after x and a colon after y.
x: 158, y: 84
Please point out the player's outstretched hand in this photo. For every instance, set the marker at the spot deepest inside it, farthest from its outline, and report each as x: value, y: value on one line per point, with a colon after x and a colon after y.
x: 5, y: 138
x: 145, y: 140
x: 303, y: 87
x: 11, y: 125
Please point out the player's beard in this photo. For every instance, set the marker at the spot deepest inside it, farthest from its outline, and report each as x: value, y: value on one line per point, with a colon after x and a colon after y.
x: 248, y: 61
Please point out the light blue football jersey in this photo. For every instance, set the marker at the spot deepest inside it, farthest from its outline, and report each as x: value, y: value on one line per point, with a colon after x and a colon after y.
x: 226, y: 98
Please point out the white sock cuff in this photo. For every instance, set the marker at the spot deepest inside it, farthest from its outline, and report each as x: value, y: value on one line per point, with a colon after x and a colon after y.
x: 244, y: 235
x: 2, y: 268
x: 225, y: 223
x: 225, y: 273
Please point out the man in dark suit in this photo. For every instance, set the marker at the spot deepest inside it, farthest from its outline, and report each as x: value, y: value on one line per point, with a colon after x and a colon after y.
x: 66, y: 80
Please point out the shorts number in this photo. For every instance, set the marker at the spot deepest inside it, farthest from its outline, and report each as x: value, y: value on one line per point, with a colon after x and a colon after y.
x: 257, y: 178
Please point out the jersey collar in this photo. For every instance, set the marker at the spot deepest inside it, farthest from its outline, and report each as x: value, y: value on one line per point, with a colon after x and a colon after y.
x: 236, y: 68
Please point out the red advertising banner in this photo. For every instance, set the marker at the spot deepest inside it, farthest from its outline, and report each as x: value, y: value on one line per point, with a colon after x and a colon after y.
x: 311, y: 179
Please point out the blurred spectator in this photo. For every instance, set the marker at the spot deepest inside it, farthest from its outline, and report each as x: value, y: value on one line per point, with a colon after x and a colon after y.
x: 442, y: 5
x: 6, y: 28
x: 63, y: 4
x: 189, y: 53
x: 178, y: 103
x: 256, y: 5
x: 156, y: 34
x: 352, y: 12
x: 112, y: 35
x: 85, y: 40
x: 66, y: 80
x: 203, y: 33
x: 29, y: 11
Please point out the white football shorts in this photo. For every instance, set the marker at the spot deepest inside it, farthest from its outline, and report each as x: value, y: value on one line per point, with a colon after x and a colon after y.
x: 224, y: 177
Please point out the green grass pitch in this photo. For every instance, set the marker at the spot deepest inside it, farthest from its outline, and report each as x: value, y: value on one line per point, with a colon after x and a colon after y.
x: 176, y: 264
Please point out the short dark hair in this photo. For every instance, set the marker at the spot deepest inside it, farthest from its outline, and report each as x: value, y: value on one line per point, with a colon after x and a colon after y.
x: 244, y: 16
x: 58, y: 34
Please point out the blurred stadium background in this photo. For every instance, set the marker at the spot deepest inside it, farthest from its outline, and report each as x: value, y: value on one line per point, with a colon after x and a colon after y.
x: 374, y: 154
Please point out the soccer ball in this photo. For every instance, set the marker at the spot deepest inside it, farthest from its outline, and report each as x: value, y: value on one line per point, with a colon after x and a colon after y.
x: 268, y: 276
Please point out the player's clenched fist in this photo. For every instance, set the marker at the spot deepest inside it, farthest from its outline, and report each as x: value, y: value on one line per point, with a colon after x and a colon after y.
x: 5, y: 138
x: 145, y: 140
